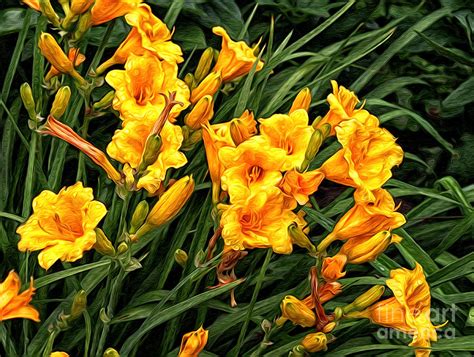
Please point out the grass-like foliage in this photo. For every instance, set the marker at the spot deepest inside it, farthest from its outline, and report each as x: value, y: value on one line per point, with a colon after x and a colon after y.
x: 200, y: 178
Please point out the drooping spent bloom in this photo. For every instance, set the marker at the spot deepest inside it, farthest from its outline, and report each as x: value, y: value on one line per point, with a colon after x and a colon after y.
x: 366, y: 158
x: 62, y: 225
x: 365, y: 219
x: 235, y: 58
x: 193, y: 343
x: 14, y: 305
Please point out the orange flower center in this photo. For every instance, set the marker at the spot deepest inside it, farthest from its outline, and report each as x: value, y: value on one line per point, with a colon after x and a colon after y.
x: 254, y: 174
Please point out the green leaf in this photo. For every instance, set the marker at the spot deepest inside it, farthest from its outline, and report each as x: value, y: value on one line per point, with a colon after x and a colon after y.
x: 12, y: 19
x: 462, y: 95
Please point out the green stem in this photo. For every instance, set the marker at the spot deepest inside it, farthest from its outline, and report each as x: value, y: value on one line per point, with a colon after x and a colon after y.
x: 7, y: 342
x: 11, y: 216
x: 258, y: 286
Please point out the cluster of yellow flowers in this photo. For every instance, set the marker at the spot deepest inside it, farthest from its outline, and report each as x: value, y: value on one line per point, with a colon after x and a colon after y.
x: 262, y: 172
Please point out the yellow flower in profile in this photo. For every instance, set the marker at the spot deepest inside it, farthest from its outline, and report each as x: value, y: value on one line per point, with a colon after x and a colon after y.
x: 193, y: 343
x: 408, y: 310
x: 106, y: 10
x: 297, y: 312
x: 74, y: 56
x: 342, y: 106
x: 62, y: 225
x: 128, y: 144
x: 290, y: 133
x: 235, y: 58
x: 302, y: 100
x: 14, y: 305
x: 366, y: 219
x: 201, y: 113
x: 260, y: 221
x: 148, y: 33
x: 140, y: 88
x: 300, y: 185
x: 209, y: 86
x: 59, y: 354
x: 251, y: 166
x: 366, y: 158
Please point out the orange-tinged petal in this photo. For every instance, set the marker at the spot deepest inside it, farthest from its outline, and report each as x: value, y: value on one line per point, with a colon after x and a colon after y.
x: 14, y: 305
x: 106, y: 10
x: 193, y: 343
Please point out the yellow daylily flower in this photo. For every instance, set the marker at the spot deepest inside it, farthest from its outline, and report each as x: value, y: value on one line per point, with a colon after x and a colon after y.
x: 342, y: 106
x: 235, y: 58
x: 128, y: 144
x: 409, y: 308
x: 62, y: 225
x: 106, y: 10
x: 148, y: 33
x: 259, y: 221
x: 365, y: 219
x: 251, y: 166
x: 365, y: 161
x: 300, y: 185
x: 290, y: 133
x: 141, y: 88
x: 14, y: 305
x: 193, y: 343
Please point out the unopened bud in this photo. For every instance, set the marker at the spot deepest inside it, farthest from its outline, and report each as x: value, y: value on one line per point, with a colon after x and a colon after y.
x: 151, y: 151
x: 299, y: 238
x: 122, y: 248
x: 359, y: 252
x: 139, y: 216
x: 28, y: 101
x: 297, y: 351
x: 302, y: 100
x: 48, y: 11
x: 365, y: 300
x: 103, y: 316
x: 102, y: 244
x: 243, y: 127
x: 316, y: 121
x: 78, y: 304
x: 181, y: 257
x: 61, y: 101
x: 111, y: 352
x: 83, y: 25
x: 105, y: 101
x: 314, y: 342
x: 266, y: 326
x: 190, y: 81
x: 209, y: 86
x: 201, y: 113
x: 78, y: 7
x: 315, y: 142
x: 297, y: 312
x: 204, y: 65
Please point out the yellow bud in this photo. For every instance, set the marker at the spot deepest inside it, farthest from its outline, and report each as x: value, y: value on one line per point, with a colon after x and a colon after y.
x: 193, y: 343
x: 181, y: 257
x: 122, y: 248
x: 83, y: 25
x: 243, y: 127
x: 297, y: 312
x: 78, y: 7
x: 299, y: 238
x: 365, y: 300
x: 315, y: 142
x: 201, y: 113
x: 78, y: 304
x: 302, y: 100
x: 102, y: 244
x: 28, y: 101
x: 105, y: 101
x: 204, y: 65
x: 48, y: 11
x: 209, y: 86
x: 111, y: 352
x: 190, y: 81
x: 139, y: 216
x: 61, y: 101
x: 314, y: 342
x: 168, y: 205
x: 150, y: 152
x: 55, y: 55
x: 364, y: 251
x: 316, y: 121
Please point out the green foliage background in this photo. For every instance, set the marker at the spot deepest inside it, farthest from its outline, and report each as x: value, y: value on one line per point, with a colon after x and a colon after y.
x: 412, y: 62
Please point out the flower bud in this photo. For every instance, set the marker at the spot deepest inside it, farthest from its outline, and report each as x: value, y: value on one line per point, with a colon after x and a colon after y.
x: 78, y: 7
x: 365, y: 300
x: 111, y: 352
x: 297, y: 312
x: 333, y: 267
x: 209, y: 86
x: 302, y: 100
x: 83, y: 25
x: 201, y: 113
x: 28, y: 101
x: 169, y: 204
x: 299, y: 238
x: 48, y: 11
x: 102, y: 244
x: 122, y: 248
x: 181, y: 257
x: 58, y: 354
x: 359, y: 251
x: 105, y: 101
x: 243, y: 127
x: 193, y: 343
x: 55, y: 55
x: 150, y: 152
x: 297, y: 351
x: 190, y: 81
x: 314, y: 342
x: 61, y: 101
x: 204, y: 65
x: 139, y: 216
x: 78, y: 304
